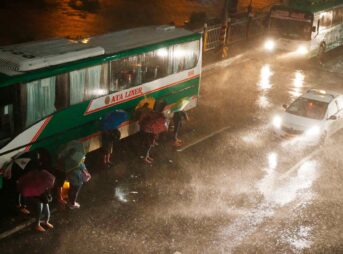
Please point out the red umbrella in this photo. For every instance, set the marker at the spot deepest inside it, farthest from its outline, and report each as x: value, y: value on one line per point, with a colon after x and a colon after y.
x: 35, y: 183
x: 154, y: 122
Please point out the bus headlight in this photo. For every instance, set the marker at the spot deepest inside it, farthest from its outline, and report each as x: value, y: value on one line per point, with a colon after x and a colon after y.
x: 269, y: 45
x: 313, y: 131
x: 277, y: 121
x: 302, y: 50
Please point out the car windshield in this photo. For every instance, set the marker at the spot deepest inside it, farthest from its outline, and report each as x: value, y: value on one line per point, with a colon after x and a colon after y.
x: 290, y: 29
x: 308, y: 108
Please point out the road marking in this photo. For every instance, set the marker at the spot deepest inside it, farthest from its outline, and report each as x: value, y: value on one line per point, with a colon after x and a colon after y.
x: 203, y: 138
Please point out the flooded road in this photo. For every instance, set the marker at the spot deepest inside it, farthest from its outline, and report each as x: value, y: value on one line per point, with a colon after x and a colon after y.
x: 22, y: 21
x: 232, y: 188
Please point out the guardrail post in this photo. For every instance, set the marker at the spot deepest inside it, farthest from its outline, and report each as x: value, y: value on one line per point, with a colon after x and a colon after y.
x: 205, y: 37
x: 223, y: 38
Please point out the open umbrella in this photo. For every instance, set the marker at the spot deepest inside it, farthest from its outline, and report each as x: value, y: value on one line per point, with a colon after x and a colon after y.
x: 181, y: 104
x: 71, y: 154
x: 35, y: 183
x: 113, y: 119
x: 150, y: 101
x: 154, y: 122
x: 21, y: 159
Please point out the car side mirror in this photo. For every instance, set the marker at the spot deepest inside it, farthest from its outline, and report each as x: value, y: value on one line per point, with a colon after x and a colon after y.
x: 333, y: 117
x: 314, y: 29
x: 284, y: 106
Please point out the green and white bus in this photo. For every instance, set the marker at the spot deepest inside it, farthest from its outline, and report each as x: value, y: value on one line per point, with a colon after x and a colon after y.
x: 55, y: 91
x: 306, y: 27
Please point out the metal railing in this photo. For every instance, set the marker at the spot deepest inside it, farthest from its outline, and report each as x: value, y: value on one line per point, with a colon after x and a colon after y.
x: 227, y: 34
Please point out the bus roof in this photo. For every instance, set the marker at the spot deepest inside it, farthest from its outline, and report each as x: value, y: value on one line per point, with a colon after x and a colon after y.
x: 313, y: 5
x: 32, y: 60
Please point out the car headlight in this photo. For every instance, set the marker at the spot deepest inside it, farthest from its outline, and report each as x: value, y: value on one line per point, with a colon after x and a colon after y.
x: 302, y: 50
x: 269, y: 45
x: 277, y: 121
x: 313, y: 131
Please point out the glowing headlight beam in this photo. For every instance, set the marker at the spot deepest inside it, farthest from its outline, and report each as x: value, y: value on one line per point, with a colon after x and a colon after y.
x: 269, y: 45
x: 277, y: 121
x: 302, y: 50
x: 313, y: 131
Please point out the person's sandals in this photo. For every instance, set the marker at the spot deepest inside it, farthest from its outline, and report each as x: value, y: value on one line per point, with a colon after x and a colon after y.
x: 23, y: 210
x: 76, y: 205
x: 148, y: 160
x: 39, y: 228
x: 62, y: 201
x: 48, y: 225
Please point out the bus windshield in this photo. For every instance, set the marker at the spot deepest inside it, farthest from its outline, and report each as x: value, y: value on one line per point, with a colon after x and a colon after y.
x: 308, y: 108
x: 290, y: 29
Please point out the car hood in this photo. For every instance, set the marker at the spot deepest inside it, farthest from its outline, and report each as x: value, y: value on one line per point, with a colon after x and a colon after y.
x: 298, y: 122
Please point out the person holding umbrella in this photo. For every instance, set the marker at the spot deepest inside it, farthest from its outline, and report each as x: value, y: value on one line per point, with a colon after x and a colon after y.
x: 36, y: 185
x: 72, y: 157
x: 179, y: 115
x: 151, y: 126
x: 110, y: 133
x: 178, y: 118
x: 76, y: 176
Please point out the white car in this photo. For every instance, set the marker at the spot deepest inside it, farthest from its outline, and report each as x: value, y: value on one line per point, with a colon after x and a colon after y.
x: 312, y: 117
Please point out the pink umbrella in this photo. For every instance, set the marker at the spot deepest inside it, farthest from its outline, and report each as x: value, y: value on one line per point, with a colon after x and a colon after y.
x: 35, y: 183
x: 154, y: 122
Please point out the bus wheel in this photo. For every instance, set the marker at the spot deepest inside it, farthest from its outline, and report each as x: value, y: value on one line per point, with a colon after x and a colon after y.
x: 321, y: 53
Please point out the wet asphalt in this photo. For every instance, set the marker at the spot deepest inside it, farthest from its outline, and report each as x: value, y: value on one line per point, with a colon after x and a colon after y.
x: 231, y: 188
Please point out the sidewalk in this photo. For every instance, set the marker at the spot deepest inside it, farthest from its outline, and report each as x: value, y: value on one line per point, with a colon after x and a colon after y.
x: 12, y: 220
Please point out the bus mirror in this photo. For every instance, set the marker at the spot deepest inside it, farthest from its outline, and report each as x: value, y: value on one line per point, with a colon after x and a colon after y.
x: 313, y: 29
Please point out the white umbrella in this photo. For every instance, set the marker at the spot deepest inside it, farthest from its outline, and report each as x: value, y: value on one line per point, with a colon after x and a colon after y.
x: 21, y: 162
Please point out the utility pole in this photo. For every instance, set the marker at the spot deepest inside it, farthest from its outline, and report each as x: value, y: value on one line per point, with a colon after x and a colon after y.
x: 225, y: 29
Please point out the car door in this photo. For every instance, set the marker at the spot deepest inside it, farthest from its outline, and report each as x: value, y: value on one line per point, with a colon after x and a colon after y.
x: 339, y: 120
x: 330, y: 123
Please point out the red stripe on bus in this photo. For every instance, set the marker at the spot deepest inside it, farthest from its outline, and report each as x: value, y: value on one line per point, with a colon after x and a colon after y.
x: 40, y: 130
x: 110, y: 105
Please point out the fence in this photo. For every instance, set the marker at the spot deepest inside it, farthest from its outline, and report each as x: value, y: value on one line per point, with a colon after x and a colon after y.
x: 217, y: 36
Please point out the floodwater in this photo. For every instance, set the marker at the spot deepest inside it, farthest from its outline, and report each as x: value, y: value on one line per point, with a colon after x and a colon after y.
x: 22, y: 21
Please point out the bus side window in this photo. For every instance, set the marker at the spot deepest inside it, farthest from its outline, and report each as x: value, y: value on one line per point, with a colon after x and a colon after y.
x: 7, y: 101
x: 337, y: 16
x: 62, y: 91
x: 40, y: 99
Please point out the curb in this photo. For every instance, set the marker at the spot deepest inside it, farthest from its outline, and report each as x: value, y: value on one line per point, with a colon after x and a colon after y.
x: 21, y: 226
x: 17, y: 228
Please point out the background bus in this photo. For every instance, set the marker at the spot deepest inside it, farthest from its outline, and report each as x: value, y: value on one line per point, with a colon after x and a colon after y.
x: 57, y: 90
x: 306, y: 28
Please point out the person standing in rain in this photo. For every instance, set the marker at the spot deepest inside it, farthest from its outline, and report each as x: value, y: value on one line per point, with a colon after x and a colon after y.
x: 109, y: 139
x: 36, y: 185
x: 150, y: 142
x: 43, y: 211
x: 77, y: 177
x: 178, y: 118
